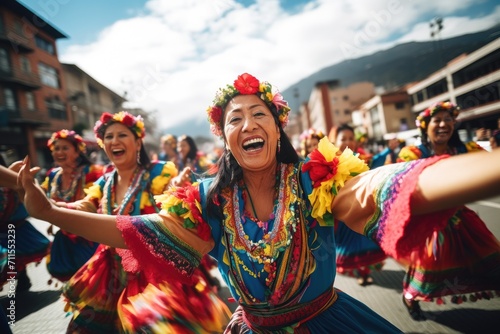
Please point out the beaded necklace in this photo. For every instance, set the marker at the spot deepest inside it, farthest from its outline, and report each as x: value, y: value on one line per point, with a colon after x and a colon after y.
x: 124, y: 208
x: 264, y: 225
x: 78, y: 179
x: 268, y: 248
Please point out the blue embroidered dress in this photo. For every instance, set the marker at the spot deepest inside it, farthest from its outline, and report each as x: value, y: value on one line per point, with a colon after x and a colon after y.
x: 283, y: 277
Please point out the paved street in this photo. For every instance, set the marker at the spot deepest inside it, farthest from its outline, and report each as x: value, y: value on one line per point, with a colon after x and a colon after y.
x: 41, y: 310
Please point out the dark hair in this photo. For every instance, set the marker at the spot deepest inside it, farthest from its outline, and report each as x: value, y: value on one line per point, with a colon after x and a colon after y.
x: 496, y: 136
x: 193, y: 149
x: 229, y: 172
x: 144, y: 159
x: 334, y: 133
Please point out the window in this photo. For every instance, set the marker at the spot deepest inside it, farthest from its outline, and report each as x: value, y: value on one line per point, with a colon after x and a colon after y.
x: 30, y: 101
x: 347, y: 112
x: 403, y: 124
x: 345, y: 97
x: 4, y: 61
x: 56, y: 108
x: 18, y: 27
x: 44, y: 44
x: 48, y: 75
x: 25, y: 64
x: 400, y: 105
x: 10, y: 100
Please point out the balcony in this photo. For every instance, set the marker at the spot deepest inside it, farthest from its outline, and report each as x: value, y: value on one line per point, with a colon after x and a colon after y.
x: 16, y: 40
x: 9, y: 117
x: 18, y: 78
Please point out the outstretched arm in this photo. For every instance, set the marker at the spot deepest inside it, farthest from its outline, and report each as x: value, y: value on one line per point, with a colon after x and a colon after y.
x: 96, y: 227
x: 458, y: 180
x: 7, y: 177
x: 445, y: 184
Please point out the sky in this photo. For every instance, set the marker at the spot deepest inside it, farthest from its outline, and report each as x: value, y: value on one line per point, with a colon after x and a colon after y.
x: 170, y: 56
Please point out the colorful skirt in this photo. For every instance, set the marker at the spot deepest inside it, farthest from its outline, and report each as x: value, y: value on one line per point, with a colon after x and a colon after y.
x: 105, y: 299
x: 92, y: 293
x: 172, y: 307
x: 357, y: 255
x: 462, y: 258
x: 68, y: 253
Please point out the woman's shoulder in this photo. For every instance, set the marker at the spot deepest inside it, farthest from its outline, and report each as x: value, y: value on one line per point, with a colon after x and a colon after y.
x: 473, y: 146
x: 410, y: 153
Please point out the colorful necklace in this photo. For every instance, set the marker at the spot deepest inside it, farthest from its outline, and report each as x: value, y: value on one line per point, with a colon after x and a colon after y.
x: 264, y: 225
x: 267, y: 249
x: 68, y: 194
x: 123, y: 208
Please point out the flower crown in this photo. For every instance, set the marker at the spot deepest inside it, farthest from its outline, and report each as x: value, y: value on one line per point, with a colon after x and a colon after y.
x: 311, y: 133
x: 70, y: 135
x: 424, y: 116
x: 246, y: 84
x: 134, y: 123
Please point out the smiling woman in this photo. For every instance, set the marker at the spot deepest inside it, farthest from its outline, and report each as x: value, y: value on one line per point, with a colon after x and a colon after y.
x: 462, y: 250
x: 105, y: 286
x: 66, y: 183
x: 268, y: 219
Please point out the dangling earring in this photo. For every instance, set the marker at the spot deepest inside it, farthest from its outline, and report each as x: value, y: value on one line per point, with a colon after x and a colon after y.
x: 138, y: 157
x: 279, y: 145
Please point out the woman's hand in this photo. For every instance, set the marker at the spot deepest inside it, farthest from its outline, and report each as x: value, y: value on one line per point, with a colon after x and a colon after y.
x: 183, y: 179
x: 35, y: 200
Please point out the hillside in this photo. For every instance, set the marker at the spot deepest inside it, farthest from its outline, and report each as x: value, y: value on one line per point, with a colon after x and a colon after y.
x: 393, y: 67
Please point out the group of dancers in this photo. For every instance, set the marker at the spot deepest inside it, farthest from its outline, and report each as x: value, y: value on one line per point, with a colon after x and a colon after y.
x: 138, y: 238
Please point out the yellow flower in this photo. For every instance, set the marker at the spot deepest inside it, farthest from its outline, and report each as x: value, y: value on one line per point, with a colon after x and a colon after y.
x: 145, y: 200
x: 160, y: 182
x: 348, y: 166
x: 94, y: 191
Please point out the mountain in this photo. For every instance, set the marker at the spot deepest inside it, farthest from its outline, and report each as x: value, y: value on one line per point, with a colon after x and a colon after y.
x: 394, y: 67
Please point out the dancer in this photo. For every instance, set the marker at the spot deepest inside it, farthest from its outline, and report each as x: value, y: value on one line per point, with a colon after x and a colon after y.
x: 279, y: 261
x: 461, y: 253
x: 66, y: 183
x: 102, y: 287
x: 168, y: 146
x: 191, y: 157
x: 357, y: 255
x: 309, y: 140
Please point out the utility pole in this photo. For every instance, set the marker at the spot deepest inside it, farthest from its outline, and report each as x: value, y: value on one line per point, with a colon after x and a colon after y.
x: 436, y: 25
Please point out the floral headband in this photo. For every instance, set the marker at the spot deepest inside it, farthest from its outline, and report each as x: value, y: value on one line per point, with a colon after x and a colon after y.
x: 246, y: 84
x: 424, y: 116
x: 310, y: 134
x: 134, y: 123
x: 69, y: 135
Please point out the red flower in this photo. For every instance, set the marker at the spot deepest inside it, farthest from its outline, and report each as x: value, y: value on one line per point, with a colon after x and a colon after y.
x: 319, y: 169
x: 128, y: 120
x: 106, y: 117
x: 215, y: 115
x: 246, y: 84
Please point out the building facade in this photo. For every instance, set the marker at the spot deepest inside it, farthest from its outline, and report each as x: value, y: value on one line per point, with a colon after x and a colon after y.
x: 386, y: 113
x: 331, y: 105
x: 33, y: 99
x: 472, y: 82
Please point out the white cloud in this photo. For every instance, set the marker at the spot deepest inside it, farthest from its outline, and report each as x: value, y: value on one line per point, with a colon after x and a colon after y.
x: 173, y: 56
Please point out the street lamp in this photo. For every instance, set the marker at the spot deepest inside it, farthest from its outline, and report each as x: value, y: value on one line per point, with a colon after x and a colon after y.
x: 436, y: 26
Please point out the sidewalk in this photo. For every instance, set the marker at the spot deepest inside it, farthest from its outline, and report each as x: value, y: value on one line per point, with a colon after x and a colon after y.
x: 41, y: 311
